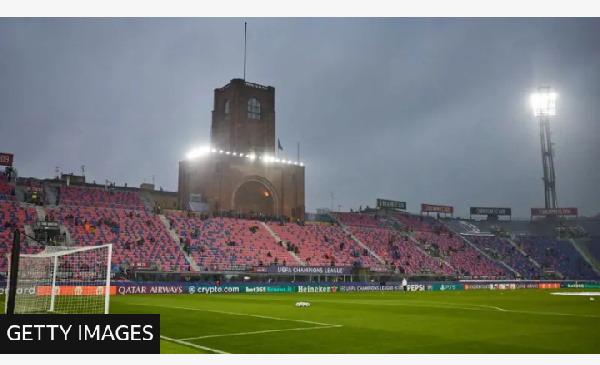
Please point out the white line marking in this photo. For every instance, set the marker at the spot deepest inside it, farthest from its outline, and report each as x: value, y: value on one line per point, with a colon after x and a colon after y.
x: 265, y: 331
x: 236, y: 314
x: 181, y: 342
x: 491, y: 306
x: 456, y: 307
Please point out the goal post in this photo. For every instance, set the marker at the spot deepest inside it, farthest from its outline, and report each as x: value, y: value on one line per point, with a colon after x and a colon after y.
x: 63, y: 280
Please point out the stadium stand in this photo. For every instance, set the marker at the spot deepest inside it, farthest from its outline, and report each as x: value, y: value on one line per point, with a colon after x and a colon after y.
x: 460, y: 255
x: 228, y: 243
x: 594, y: 247
x: 555, y: 255
x: 416, y: 223
x: 412, y: 244
x: 325, y: 245
x: 400, y: 250
x: 100, y: 198
x: 433, y: 236
x: 7, y: 191
x: 12, y: 217
x: 361, y: 219
x: 500, y: 248
x: 137, y: 236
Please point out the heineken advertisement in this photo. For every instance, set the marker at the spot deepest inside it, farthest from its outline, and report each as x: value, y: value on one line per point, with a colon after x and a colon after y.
x: 317, y: 289
x: 445, y: 287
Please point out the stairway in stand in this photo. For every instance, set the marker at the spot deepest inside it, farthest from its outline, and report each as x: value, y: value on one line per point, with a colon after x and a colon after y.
x: 277, y: 239
x: 177, y: 239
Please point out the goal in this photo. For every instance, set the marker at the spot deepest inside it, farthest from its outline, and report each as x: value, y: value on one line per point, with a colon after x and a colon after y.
x: 64, y: 280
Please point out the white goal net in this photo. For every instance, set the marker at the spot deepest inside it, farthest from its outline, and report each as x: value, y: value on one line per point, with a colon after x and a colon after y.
x: 64, y: 280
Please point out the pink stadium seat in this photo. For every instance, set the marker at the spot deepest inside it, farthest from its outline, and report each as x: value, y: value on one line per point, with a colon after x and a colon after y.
x: 11, y: 212
x: 464, y: 258
x: 319, y: 242
x: 100, y: 197
x: 399, y: 250
x: 215, y: 234
x: 129, y: 226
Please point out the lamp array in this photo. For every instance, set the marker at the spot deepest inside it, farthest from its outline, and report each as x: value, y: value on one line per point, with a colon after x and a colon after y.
x: 251, y: 156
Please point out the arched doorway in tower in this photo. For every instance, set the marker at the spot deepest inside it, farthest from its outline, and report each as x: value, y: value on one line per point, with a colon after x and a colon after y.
x: 254, y: 196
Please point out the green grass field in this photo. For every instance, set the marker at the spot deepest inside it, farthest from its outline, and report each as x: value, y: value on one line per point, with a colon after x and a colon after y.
x: 522, y: 321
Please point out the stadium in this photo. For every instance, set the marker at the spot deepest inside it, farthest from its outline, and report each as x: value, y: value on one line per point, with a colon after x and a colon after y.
x: 224, y: 259
x: 235, y: 264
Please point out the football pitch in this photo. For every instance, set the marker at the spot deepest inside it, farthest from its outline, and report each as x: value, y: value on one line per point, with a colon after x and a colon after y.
x: 521, y: 321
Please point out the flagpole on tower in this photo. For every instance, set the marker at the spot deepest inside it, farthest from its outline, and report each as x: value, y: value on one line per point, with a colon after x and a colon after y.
x: 298, y: 152
x: 245, y: 32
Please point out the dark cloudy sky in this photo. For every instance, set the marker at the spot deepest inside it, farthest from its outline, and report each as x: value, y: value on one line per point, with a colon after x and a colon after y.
x: 417, y: 110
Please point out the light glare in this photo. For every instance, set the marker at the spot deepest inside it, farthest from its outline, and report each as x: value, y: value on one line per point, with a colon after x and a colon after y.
x: 544, y: 104
x: 197, y: 152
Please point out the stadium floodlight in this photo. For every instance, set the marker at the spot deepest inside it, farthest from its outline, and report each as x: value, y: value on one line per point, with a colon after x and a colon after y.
x: 251, y: 156
x: 544, y: 107
x: 544, y: 103
x: 227, y: 153
x: 197, y: 152
x: 213, y: 150
x: 301, y: 163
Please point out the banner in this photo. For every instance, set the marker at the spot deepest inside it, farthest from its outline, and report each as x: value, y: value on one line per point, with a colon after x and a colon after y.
x: 150, y: 289
x: 30, y: 290
x: 445, y: 287
x: 46, y: 225
x: 75, y: 290
x: 6, y: 159
x: 390, y: 204
x: 428, y: 208
x: 580, y: 285
x: 317, y: 289
x: 305, y: 270
x: 549, y: 286
x: 193, y: 289
x: 357, y: 288
x: 478, y: 286
x: 527, y: 286
x: 318, y: 223
x: 490, y: 211
x: 268, y: 289
x: 36, y: 189
x: 553, y: 212
x: 142, y: 265
x: 416, y: 287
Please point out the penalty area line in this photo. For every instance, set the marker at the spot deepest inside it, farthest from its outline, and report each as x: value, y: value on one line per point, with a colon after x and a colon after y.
x: 184, y: 343
x: 235, y: 314
x: 265, y: 331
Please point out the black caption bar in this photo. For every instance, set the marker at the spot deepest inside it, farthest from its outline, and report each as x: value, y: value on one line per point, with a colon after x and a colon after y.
x: 80, y: 334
